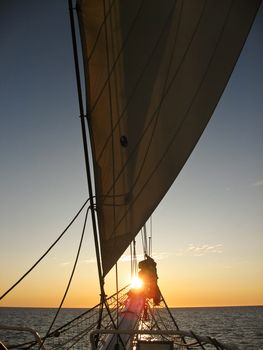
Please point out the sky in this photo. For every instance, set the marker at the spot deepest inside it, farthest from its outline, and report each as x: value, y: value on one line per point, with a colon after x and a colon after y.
x: 208, y: 230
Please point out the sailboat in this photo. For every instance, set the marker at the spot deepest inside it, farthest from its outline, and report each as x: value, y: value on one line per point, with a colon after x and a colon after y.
x: 154, y: 72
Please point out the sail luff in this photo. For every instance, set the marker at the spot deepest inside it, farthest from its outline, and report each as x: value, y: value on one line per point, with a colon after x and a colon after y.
x: 85, y: 148
x: 155, y: 74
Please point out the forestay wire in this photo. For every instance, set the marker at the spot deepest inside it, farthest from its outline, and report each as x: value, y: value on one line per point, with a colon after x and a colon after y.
x: 70, y: 280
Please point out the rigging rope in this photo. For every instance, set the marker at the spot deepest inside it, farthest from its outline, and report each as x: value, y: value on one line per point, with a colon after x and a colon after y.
x: 132, y: 264
x: 133, y: 258
x: 70, y: 279
x: 144, y: 240
x: 117, y: 294
x: 47, y: 251
x: 151, y: 236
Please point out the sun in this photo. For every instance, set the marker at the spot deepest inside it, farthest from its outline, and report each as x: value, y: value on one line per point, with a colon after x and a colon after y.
x: 136, y: 282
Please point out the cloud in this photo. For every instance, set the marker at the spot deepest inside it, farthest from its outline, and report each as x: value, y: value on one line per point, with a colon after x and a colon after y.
x: 200, y: 250
x: 258, y: 183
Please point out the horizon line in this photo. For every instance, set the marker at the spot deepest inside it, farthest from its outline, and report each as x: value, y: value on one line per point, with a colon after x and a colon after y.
x: 170, y: 307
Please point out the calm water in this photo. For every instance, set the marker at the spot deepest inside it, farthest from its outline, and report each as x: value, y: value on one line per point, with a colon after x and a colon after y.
x: 240, y: 325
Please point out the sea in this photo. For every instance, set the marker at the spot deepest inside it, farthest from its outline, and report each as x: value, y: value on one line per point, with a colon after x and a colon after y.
x: 242, y: 326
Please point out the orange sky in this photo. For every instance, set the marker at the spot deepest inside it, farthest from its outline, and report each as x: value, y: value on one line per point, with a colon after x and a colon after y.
x: 181, y: 287
x: 207, y: 232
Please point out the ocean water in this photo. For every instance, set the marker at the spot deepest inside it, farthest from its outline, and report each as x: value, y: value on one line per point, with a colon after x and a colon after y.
x: 242, y: 326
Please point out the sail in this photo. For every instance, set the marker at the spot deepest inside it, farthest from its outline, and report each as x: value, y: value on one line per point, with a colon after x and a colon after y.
x: 154, y: 72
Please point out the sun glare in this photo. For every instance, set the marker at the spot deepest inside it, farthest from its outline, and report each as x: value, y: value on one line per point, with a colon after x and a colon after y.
x: 136, y: 282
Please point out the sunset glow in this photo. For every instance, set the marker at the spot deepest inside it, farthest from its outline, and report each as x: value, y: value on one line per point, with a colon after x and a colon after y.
x: 206, y: 233
x: 136, y: 283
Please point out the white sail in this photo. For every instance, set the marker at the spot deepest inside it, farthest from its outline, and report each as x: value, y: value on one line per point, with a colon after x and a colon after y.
x: 154, y: 72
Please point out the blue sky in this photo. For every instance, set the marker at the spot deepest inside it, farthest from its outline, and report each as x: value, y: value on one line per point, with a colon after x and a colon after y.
x: 210, y: 223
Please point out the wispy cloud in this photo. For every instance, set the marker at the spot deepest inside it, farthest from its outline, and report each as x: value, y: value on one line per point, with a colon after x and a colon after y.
x: 258, y: 183
x: 200, y: 250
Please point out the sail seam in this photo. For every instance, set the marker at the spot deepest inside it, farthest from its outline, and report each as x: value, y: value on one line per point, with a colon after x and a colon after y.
x: 100, y: 31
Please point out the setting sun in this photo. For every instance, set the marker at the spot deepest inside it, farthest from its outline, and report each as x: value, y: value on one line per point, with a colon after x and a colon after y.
x: 136, y: 282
